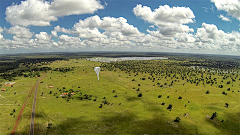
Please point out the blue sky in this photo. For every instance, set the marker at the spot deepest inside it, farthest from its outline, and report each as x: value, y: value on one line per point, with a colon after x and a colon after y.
x: 195, y: 26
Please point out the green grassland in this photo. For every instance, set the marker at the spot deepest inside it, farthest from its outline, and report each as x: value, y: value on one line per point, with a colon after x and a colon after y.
x: 122, y: 111
x: 13, y: 98
x: 135, y: 115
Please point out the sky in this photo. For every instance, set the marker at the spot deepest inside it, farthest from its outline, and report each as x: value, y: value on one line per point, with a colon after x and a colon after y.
x: 182, y: 26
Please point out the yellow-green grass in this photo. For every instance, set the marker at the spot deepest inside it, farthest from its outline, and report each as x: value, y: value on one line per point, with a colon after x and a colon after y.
x: 9, y: 101
x: 135, y: 115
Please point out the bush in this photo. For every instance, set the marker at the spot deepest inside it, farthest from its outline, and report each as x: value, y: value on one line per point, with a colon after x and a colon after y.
x: 214, y: 115
x: 140, y: 95
x: 207, y: 92
x: 177, y: 119
x: 224, y: 93
x: 169, y: 106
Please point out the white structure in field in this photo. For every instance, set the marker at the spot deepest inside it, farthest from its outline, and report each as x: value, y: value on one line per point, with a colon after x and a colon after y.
x: 97, y: 70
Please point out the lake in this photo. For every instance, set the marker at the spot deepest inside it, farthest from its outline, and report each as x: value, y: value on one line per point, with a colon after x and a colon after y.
x: 105, y: 59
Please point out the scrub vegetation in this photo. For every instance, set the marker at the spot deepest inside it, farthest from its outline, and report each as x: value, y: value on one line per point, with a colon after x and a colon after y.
x: 184, y: 94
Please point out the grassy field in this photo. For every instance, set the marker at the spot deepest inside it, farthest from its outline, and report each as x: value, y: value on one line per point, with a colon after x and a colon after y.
x: 127, y: 113
x: 13, y: 98
x: 122, y: 111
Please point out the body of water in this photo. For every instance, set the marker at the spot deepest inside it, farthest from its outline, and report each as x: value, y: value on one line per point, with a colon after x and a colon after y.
x: 104, y: 59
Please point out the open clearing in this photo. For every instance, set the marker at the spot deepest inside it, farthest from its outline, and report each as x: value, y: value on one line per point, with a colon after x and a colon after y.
x: 131, y: 97
x: 127, y: 113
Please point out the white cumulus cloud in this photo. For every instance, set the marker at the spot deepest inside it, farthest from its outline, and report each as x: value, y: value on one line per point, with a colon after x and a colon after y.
x: 20, y: 32
x: 208, y: 33
x: 1, y: 30
x: 165, y: 15
x: 54, y: 33
x: 42, y: 38
x: 224, y: 18
x: 41, y: 12
x: 170, y: 21
x: 65, y: 41
x: 109, y: 24
x: 91, y: 26
x: 232, y: 7
x: 1, y: 36
x: 210, y: 37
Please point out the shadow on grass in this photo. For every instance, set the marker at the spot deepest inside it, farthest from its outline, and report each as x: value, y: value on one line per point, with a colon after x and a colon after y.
x: 130, y: 99
x: 230, y: 125
x: 116, y: 123
x: 37, y: 115
x: 39, y: 129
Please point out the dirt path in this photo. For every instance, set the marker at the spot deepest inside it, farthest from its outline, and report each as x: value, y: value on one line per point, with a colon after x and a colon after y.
x: 34, y: 107
x: 23, y: 106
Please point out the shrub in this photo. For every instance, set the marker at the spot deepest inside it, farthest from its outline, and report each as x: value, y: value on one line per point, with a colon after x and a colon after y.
x: 177, y: 119
x: 220, y: 86
x: 214, y: 115
x: 207, y: 92
x: 226, y: 105
x: 169, y: 106
x: 224, y: 93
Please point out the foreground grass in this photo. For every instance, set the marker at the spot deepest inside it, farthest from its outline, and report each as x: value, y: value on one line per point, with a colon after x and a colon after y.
x: 14, y: 98
x: 135, y: 115
x: 125, y: 114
